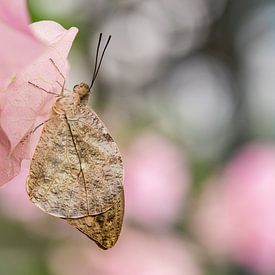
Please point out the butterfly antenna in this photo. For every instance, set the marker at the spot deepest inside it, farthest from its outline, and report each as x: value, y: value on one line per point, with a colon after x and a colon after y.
x: 96, y: 68
x: 96, y: 57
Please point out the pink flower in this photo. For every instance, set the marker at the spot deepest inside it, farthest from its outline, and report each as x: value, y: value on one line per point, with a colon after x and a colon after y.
x: 136, y: 253
x: 23, y: 106
x: 236, y: 215
x: 156, y: 181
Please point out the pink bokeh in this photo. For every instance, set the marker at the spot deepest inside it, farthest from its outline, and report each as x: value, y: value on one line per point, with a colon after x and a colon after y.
x: 156, y: 181
x: 14, y: 201
x: 136, y: 253
x: 236, y: 217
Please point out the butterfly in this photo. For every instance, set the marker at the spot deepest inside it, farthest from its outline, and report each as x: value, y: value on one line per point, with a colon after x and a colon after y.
x: 76, y: 171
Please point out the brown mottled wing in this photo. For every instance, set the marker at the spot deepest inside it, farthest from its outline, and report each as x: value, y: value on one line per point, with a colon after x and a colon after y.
x: 74, y: 172
x: 101, y: 161
x: 55, y: 183
x: 103, y: 228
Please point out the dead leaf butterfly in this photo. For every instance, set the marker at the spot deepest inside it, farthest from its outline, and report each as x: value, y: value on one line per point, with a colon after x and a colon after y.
x: 76, y: 171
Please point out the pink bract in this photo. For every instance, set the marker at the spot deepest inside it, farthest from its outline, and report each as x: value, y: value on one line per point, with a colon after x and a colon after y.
x: 18, y: 46
x: 24, y: 106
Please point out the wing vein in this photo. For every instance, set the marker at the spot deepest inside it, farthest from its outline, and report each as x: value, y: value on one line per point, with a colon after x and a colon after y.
x: 81, y: 169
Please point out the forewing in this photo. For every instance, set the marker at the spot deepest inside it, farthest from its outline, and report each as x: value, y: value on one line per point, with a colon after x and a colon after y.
x: 55, y: 183
x: 100, y: 159
x: 103, y: 228
x: 76, y: 169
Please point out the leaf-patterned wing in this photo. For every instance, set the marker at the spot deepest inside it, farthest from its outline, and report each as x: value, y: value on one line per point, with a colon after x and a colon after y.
x: 55, y: 182
x: 100, y: 159
x: 103, y: 228
x: 76, y: 169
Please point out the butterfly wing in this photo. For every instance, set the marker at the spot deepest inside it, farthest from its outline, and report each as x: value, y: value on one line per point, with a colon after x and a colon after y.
x: 101, y: 161
x: 76, y: 169
x: 103, y: 228
x: 55, y: 179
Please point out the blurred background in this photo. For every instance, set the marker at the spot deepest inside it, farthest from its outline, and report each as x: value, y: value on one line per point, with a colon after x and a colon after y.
x: 187, y: 89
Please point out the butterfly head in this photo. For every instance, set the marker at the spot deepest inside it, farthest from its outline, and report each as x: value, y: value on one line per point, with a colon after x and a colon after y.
x: 82, y: 89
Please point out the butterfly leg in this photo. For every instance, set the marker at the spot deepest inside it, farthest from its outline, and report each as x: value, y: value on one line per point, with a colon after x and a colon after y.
x: 33, y: 131
x: 63, y: 77
x: 42, y: 89
x: 39, y: 125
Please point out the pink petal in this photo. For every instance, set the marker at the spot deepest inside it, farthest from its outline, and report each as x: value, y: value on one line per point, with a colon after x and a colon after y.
x: 14, y: 13
x: 16, y: 38
x: 24, y: 106
x: 48, y: 31
x: 8, y: 166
